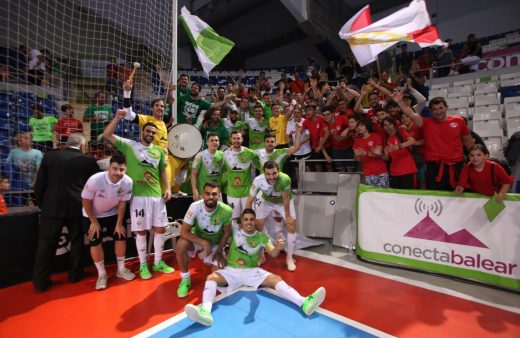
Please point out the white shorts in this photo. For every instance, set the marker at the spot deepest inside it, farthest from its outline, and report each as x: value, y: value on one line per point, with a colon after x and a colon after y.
x: 266, y: 209
x: 209, y: 259
x: 238, y: 204
x: 146, y: 212
x: 252, y: 277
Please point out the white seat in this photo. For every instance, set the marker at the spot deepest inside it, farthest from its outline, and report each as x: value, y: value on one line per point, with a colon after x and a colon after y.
x: 486, y: 99
x: 495, y: 146
x: 512, y: 109
x: 510, y: 82
x: 463, y: 90
x: 488, y: 128
x: 512, y: 99
x: 464, y: 112
x: 509, y: 76
x: 440, y: 85
x: 486, y: 87
x: 512, y: 125
x: 458, y: 102
x: 487, y: 115
x: 462, y: 83
x: 490, y: 108
x: 439, y: 92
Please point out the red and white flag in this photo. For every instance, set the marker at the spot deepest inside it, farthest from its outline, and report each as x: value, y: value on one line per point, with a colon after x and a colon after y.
x: 367, y: 39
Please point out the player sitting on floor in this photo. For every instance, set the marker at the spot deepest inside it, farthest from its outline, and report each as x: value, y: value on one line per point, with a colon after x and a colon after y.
x: 242, y: 270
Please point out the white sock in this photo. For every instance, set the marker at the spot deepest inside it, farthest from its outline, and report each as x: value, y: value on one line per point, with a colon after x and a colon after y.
x: 100, y: 266
x: 140, y: 243
x: 120, y: 263
x: 291, y: 244
x: 287, y: 292
x: 158, y: 245
x: 185, y: 275
x: 208, y: 295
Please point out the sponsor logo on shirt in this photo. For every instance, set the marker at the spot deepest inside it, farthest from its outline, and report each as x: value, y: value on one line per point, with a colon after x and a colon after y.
x: 454, y: 124
x: 370, y: 143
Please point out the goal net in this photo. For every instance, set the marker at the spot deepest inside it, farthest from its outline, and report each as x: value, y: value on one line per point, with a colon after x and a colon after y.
x: 62, y: 64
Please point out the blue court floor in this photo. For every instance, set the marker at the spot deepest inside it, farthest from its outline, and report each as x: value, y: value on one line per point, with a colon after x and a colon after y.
x: 260, y: 314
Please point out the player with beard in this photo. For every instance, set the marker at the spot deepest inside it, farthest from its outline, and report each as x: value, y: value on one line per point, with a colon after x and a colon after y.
x: 206, y: 227
x: 276, y: 201
x: 242, y: 270
x: 238, y: 163
x: 146, y: 164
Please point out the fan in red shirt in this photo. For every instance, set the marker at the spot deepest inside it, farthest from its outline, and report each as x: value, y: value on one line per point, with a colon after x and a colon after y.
x: 369, y: 149
x: 416, y: 132
x: 68, y: 124
x: 319, y: 132
x: 444, y: 137
x: 4, y: 186
x: 484, y: 176
x: 397, y: 151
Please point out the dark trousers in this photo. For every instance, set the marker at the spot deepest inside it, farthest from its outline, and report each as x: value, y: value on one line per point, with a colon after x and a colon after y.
x: 442, y: 176
x: 403, y: 181
x: 48, y: 238
x: 43, y: 146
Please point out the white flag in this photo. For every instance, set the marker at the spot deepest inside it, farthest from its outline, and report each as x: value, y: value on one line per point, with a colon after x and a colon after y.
x: 210, y: 47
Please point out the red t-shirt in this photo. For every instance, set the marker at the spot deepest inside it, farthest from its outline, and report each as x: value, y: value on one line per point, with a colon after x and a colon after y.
x: 380, y: 131
x: 297, y: 86
x: 481, y: 182
x: 339, y: 124
x: 112, y: 71
x: 68, y: 125
x: 443, y: 139
x: 371, y: 165
x: 402, y: 162
x: 316, y: 129
x: 3, y: 206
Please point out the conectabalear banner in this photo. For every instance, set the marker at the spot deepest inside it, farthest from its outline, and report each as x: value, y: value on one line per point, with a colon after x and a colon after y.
x: 440, y: 232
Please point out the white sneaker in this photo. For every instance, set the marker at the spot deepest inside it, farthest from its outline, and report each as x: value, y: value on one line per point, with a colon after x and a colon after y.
x: 291, y: 264
x: 179, y: 194
x: 101, y: 282
x: 125, y: 274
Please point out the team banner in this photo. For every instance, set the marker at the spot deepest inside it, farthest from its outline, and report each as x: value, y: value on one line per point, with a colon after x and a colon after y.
x: 440, y: 232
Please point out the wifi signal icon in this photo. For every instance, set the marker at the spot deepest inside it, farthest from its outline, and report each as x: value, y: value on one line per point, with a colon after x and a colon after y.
x: 435, y: 208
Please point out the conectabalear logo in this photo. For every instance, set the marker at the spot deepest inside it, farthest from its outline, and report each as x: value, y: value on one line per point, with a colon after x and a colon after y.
x: 429, y: 230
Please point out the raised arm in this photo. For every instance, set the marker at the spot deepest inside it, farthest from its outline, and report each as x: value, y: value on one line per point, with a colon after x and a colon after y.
x: 108, y: 133
x: 397, y: 96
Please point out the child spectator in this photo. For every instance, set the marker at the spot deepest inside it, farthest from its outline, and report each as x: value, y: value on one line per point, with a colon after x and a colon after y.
x: 484, y: 176
x: 42, y: 127
x: 369, y: 149
x: 4, y: 186
x: 397, y: 151
x: 67, y: 124
x: 24, y: 158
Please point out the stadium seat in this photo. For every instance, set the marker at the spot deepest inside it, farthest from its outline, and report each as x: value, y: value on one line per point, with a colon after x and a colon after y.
x: 512, y: 109
x: 487, y: 87
x: 486, y: 99
x: 509, y: 76
x: 512, y: 99
x: 492, y: 112
x: 512, y: 125
x: 488, y: 128
x: 463, y: 83
x: 458, y: 102
x: 510, y: 82
x: 438, y: 92
x: 461, y: 90
x: 495, y: 146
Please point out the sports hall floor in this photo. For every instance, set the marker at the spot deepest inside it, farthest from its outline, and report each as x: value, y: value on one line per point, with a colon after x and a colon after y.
x: 362, y: 300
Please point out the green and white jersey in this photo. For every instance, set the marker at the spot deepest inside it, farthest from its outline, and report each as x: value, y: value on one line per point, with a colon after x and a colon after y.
x: 244, y: 251
x: 208, y: 225
x: 257, y: 131
x: 188, y: 107
x: 144, y: 166
x: 238, y: 125
x: 278, y: 155
x: 209, y: 166
x: 103, y: 112
x: 271, y: 193
x: 237, y: 171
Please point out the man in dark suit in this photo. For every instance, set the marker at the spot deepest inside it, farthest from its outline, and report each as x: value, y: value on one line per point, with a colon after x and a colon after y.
x: 59, y: 183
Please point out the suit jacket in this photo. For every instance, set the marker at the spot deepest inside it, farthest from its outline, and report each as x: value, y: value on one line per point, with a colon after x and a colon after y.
x: 60, y: 180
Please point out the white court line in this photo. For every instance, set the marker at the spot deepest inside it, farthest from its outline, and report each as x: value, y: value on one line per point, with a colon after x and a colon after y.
x: 163, y: 325
x: 424, y: 285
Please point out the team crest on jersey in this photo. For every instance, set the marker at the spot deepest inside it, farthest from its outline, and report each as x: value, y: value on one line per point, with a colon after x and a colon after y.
x: 119, y: 191
x: 216, y: 220
x: 370, y: 143
x: 237, y: 180
x: 454, y: 124
x: 251, y: 242
x: 256, y: 139
x: 154, y: 152
x: 147, y: 176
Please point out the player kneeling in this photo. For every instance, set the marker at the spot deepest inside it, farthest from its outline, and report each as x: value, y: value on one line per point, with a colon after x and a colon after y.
x: 242, y: 270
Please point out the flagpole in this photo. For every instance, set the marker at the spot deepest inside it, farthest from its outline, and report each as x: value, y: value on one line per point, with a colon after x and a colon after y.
x: 174, y: 60
x: 378, y: 69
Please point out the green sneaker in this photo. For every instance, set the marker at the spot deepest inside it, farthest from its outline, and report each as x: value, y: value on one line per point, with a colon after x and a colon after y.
x: 199, y: 314
x: 163, y: 267
x: 184, y: 287
x: 144, y: 272
x: 313, y: 301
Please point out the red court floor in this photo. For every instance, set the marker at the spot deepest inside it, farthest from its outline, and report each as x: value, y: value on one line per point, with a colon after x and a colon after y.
x: 128, y: 308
